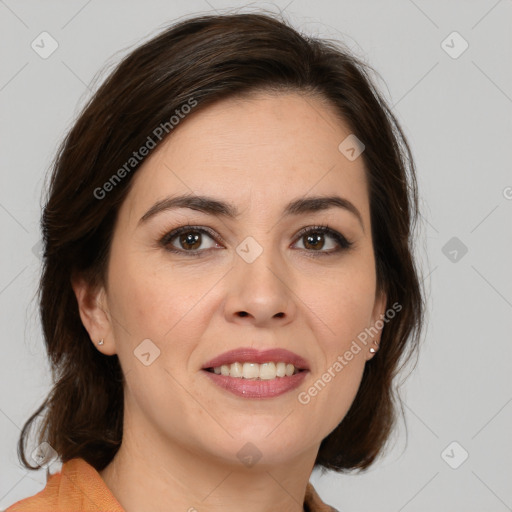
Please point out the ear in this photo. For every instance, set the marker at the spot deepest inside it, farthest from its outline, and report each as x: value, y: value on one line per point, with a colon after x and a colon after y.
x: 94, y: 313
x: 378, y: 313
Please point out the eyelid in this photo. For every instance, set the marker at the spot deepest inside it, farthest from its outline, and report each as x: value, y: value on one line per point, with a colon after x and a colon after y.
x: 342, y: 242
x: 165, y: 239
x: 170, y: 234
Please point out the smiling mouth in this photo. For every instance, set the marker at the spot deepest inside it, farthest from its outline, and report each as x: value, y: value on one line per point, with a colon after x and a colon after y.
x: 255, y: 371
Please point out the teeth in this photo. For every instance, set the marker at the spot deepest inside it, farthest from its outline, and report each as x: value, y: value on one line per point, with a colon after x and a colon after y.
x: 266, y: 371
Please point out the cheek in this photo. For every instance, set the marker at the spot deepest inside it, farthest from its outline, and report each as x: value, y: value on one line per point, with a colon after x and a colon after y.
x: 343, y: 303
x: 142, y: 295
x: 328, y: 397
x: 157, y: 301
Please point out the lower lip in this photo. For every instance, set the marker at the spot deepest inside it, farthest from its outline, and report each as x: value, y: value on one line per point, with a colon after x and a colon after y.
x: 247, y: 388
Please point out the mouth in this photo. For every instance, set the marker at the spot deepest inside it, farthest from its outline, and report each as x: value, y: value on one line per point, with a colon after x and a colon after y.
x: 254, y: 371
x: 266, y: 385
x: 249, y: 363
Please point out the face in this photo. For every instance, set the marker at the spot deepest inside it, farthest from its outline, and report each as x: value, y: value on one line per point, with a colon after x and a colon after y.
x: 264, y: 278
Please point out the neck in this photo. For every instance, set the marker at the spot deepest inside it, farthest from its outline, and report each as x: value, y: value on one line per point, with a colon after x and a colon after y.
x: 152, y: 474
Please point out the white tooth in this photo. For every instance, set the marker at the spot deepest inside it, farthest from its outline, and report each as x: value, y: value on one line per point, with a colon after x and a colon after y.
x: 281, y: 369
x: 267, y: 371
x: 235, y: 370
x: 251, y: 370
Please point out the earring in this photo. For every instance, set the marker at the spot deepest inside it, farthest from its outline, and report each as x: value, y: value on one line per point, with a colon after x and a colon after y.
x: 372, y: 350
x: 100, y: 342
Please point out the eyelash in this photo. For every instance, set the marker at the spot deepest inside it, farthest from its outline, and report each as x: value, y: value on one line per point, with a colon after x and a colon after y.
x: 343, y: 243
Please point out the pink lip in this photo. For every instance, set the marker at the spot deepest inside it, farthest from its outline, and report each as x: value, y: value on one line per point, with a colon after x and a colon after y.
x: 257, y: 388
x: 251, y: 355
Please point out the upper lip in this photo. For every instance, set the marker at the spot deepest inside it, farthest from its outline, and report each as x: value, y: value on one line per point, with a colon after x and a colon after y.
x: 251, y: 355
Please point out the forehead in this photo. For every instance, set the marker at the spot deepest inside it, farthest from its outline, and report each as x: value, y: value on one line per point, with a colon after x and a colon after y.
x: 265, y: 149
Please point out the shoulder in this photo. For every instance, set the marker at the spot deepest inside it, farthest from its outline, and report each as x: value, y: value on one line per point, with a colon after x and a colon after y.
x: 313, y: 502
x: 43, y: 501
x: 78, y: 487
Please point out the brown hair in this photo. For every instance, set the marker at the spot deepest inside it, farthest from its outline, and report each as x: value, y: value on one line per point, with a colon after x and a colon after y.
x: 209, y: 58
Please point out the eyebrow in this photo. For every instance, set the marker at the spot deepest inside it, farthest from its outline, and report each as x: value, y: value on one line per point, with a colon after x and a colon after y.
x: 212, y: 206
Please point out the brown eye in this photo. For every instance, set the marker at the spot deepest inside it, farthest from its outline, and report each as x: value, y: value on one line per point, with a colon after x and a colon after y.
x: 187, y: 239
x: 314, y: 240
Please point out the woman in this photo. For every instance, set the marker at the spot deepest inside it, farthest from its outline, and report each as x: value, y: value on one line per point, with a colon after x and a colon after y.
x: 228, y: 287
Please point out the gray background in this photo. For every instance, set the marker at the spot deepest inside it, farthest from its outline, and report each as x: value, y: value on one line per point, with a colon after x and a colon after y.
x: 456, y: 113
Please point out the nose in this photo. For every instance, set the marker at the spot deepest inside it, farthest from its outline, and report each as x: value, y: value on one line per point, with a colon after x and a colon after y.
x: 259, y: 293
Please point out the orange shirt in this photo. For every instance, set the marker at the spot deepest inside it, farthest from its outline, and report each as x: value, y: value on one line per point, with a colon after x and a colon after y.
x: 78, y: 487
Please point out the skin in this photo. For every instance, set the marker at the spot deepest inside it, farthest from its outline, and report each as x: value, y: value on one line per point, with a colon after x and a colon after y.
x: 181, y: 432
